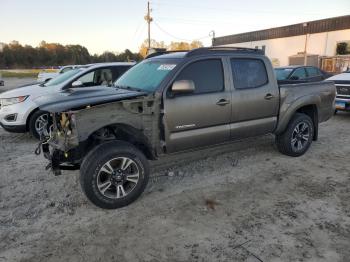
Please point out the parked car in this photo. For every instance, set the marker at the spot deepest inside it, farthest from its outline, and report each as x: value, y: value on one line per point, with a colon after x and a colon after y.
x: 18, y: 112
x: 174, y: 102
x: 2, y: 82
x: 46, y: 76
x: 299, y: 74
x: 342, y: 83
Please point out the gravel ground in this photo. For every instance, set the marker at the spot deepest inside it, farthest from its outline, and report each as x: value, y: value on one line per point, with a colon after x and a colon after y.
x: 238, y: 202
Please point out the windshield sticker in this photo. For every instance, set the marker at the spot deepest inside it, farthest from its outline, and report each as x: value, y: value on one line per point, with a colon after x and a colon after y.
x: 166, y: 67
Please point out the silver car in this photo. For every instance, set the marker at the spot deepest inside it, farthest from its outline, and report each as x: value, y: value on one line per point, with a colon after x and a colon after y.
x: 18, y: 111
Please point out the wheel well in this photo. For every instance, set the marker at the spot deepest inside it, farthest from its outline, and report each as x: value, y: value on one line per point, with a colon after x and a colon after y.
x: 124, y: 133
x: 28, y: 118
x: 311, y: 111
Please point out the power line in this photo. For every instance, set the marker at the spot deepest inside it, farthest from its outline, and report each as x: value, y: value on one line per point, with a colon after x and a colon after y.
x: 140, y: 25
x: 178, y: 38
x: 197, y: 7
x: 140, y: 32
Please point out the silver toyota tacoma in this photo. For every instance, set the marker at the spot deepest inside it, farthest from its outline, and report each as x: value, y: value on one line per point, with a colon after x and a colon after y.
x: 172, y: 102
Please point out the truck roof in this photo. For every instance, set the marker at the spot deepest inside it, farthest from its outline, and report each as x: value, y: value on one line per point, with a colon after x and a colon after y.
x: 205, y: 50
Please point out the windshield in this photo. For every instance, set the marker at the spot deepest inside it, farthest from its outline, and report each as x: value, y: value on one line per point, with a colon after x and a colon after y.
x: 283, y: 73
x: 62, y: 77
x: 145, y: 76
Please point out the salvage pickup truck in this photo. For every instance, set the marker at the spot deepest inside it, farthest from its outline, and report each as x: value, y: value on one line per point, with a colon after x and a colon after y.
x: 172, y: 102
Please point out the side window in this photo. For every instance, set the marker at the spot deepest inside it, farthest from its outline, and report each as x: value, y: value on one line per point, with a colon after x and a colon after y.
x: 207, y: 75
x: 118, y: 71
x: 87, y: 78
x: 299, y: 73
x: 123, y: 69
x: 312, y: 71
x: 97, y: 77
x: 65, y: 70
x: 106, y: 77
x: 248, y: 73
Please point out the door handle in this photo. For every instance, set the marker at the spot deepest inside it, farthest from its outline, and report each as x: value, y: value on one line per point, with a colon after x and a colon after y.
x: 269, y: 96
x: 222, y: 102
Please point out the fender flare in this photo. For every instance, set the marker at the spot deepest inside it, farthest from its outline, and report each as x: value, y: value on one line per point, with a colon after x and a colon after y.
x: 287, y: 111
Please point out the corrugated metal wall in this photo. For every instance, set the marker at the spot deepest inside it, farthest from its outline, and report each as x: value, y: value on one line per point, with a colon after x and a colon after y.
x: 319, y: 26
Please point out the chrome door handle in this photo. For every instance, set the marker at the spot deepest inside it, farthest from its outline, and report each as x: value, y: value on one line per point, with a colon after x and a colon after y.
x: 222, y: 102
x: 268, y: 96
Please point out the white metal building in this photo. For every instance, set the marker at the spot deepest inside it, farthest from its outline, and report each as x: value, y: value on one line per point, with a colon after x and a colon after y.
x: 282, y: 44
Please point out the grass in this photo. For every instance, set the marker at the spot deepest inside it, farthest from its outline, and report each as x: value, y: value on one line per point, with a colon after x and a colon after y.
x: 23, y: 73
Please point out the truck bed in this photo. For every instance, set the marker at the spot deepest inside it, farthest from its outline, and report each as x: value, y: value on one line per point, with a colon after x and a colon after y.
x: 293, y: 96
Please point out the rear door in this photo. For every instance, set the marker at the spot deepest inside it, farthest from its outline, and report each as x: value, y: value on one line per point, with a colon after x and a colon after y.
x: 255, y: 98
x: 202, y: 117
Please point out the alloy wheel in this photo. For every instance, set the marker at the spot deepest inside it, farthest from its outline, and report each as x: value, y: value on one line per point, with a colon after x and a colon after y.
x: 300, y: 136
x: 41, y: 123
x: 118, y: 177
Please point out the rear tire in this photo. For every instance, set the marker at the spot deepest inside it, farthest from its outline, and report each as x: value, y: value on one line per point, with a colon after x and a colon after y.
x: 297, y: 137
x: 114, y: 174
x: 37, y: 123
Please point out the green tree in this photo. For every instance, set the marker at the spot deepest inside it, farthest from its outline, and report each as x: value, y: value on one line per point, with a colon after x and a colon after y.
x: 14, y: 55
x: 342, y: 48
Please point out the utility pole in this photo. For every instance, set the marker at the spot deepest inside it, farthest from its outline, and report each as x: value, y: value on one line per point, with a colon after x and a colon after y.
x: 149, y: 19
x: 305, y: 46
x: 212, y: 35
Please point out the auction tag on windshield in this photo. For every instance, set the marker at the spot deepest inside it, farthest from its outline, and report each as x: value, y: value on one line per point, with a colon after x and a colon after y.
x: 166, y: 67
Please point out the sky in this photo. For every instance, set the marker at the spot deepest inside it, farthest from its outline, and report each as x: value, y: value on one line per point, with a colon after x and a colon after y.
x: 115, y: 25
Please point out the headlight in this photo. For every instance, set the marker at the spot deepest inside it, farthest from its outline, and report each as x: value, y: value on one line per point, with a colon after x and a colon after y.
x: 12, y: 100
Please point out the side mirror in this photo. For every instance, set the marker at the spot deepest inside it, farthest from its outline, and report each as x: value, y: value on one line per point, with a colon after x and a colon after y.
x: 182, y: 87
x: 77, y: 83
x: 294, y: 78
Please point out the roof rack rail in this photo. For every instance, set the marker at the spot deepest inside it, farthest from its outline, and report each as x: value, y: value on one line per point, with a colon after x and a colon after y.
x: 158, y: 53
x: 205, y: 50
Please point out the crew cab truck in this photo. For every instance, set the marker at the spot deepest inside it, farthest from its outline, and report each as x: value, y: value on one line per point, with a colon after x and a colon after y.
x: 173, y: 102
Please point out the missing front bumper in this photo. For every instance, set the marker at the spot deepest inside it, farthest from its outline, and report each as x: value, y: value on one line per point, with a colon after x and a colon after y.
x: 58, y: 160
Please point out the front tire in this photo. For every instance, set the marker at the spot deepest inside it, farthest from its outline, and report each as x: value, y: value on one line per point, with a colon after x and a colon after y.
x: 114, y: 174
x: 39, y: 124
x: 297, y: 137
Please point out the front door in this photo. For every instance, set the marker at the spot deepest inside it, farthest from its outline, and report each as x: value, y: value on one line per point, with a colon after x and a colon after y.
x: 200, y: 118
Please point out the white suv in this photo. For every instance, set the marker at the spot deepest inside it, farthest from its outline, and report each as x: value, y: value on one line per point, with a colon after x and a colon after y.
x: 18, y: 111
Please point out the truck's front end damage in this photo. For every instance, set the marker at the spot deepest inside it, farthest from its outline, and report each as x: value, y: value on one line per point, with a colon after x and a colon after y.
x: 75, y: 132
x: 62, y: 146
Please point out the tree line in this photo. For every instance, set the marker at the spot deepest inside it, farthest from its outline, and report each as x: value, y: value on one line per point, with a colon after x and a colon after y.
x: 15, y: 55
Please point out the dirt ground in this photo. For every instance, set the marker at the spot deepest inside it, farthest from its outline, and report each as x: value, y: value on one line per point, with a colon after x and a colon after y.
x: 238, y: 202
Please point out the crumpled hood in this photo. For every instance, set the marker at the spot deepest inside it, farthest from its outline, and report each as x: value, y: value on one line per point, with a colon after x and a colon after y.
x: 79, y: 97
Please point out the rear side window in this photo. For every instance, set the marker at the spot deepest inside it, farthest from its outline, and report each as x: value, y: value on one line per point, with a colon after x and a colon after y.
x: 207, y: 75
x: 298, y: 74
x: 123, y: 69
x: 248, y: 73
x: 118, y: 71
x: 312, y: 71
x: 65, y: 70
